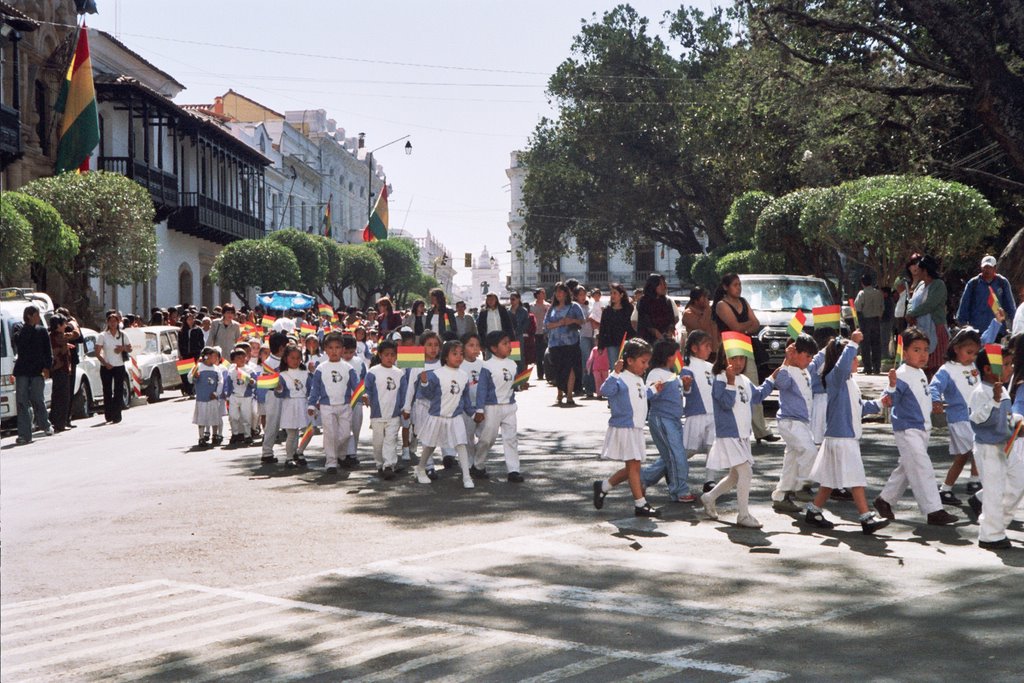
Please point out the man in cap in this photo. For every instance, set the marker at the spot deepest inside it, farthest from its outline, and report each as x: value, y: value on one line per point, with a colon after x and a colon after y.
x: 974, y: 309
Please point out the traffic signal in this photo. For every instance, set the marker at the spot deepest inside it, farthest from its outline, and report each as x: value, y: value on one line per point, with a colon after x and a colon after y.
x: 468, y: 260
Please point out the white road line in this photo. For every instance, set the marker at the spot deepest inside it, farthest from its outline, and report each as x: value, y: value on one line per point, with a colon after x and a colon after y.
x: 134, y: 642
x: 650, y: 675
x: 42, y: 603
x: 570, y: 670
x: 427, y: 660
x: 372, y: 652
x: 106, y: 605
x: 504, y: 664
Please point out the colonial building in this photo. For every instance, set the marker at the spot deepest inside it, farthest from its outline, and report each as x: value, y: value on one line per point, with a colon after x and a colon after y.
x: 486, y: 274
x: 594, y: 268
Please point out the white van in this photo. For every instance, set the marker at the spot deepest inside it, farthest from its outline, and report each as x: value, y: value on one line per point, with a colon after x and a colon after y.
x: 13, y: 302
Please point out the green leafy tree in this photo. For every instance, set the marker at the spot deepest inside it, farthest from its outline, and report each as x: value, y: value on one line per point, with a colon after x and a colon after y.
x: 112, y: 216
x: 357, y: 266
x: 54, y: 244
x: 265, y: 265
x: 401, y: 259
x: 311, y: 254
x: 743, y: 214
x: 15, y: 242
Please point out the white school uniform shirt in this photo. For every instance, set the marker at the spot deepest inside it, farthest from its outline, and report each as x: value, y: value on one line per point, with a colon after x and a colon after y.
x: 912, y: 402
x: 795, y: 394
x: 336, y: 377
x: 856, y: 407
x: 387, y: 382
x: 498, y: 384
x: 703, y: 381
x: 295, y: 383
x: 472, y: 368
x: 241, y: 381
x: 451, y: 383
x: 637, y: 393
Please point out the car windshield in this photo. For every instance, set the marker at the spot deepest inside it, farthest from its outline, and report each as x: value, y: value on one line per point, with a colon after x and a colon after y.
x: 785, y: 295
x: 6, y: 330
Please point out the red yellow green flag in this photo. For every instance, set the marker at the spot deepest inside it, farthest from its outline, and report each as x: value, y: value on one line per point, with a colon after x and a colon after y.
x: 80, y: 126
x: 796, y: 325
x: 1016, y: 433
x: 307, y: 329
x: 827, y: 316
x: 678, y: 363
x: 268, y: 321
x: 516, y: 353
x: 327, y: 217
x: 307, y: 436
x: 993, y: 301
x: 377, y: 225
x: 995, y: 358
x: 899, y: 349
x: 185, y: 366
x: 411, y: 357
x: 358, y: 394
x: 853, y: 311
x: 268, y: 380
x: 523, y: 377
x: 325, y: 310
x: 737, y: 344
x: 622, y: 345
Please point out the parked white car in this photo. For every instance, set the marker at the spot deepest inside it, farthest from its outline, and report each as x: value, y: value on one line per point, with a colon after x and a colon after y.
x: 88, y: 386
x: 155, y: 349
x: 13, y: 302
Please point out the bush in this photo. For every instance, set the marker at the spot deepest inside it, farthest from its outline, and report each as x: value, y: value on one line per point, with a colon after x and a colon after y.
x: 703, y: 272
x: 54, y: 244
x: 262, y: 264
x: 15, y: 241
x: 736, y: 262
x: 309, y: 252
x: 743, y: 214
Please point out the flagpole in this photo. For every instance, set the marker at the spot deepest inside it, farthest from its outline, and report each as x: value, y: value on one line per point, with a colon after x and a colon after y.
x: 369, y: 171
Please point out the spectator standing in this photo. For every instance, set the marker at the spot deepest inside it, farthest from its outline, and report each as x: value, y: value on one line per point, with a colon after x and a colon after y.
x: 520, y: 322
x: 60, y: 374
x: 464, y: 323
x: 540, y: 311
x: 226, y: 332
x: 902, y: 294
x: 616, y: 323
x: 112, y: 349
x: 441, y: 318
x: 697, y: 316
x: 870, y: 305
x: 387, y: 320
x: 927, y: 308
x: 586, y: 341
x: 974, y: 309
x: 656, y: 317
x: 31, y: 368
x: 493, y: 316
x: 73, y: 333
x: 563, y: 322
x: 888, y: 319
x: 416, y: 320
x: 190, y: 344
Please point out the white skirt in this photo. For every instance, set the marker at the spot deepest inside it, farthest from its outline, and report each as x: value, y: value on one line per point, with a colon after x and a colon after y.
x: 961, y: 438
x: 699, y: 433
x: 729, y: 451
x: 838, y: 464
x: 420, y: 414
x: 208, y: 413
x: 624, y: 443
x: 293, y: 413
x: 442, y: 432
x: 819, y: 409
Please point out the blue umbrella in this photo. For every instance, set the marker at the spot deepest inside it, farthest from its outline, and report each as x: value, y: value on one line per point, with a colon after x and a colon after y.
x: 283, y: 300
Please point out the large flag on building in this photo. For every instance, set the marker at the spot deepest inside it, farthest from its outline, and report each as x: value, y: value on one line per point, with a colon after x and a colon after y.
x: 377, y: 227
x: 80, y: 126
x: 327, y: 218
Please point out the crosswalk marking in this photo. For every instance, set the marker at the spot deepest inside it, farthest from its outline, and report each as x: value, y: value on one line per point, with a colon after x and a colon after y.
x: 9, y: 625
x: 570, y: 670
x: 427, y: 660
x: 44, y: 603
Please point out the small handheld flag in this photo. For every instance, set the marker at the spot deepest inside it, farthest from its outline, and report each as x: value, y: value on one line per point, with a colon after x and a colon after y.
x: 622, y: 346
x: 307, y: 436
x: 185, y: 366
x: 827, y: 316
x: 411, y: 357
x: 268, y: 380
x: 737, y: 344
x: 358, y: 394
x: 678, y: 363
x: 853, y: 310
x: 325, y: 310
x: 516, y: 353
x: 993, y: 301
x: 523, y: 377
x: 995, y: 358
x: 1013, y: 437
x: 266, y: 368
x: 796, y: 325
x: 268, y: 321
x: 307, y: 329
x: 899, y: 349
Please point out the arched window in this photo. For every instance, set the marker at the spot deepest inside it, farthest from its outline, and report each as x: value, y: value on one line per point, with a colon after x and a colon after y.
x: 185, y: 292
x: 42, y: 111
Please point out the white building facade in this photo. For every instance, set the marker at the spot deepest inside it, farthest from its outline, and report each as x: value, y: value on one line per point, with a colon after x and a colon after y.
x: 487, y: 279
x: 595, y: 268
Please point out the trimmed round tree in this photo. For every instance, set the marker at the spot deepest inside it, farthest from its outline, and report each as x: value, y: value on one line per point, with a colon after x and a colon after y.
x: 311, y: 255
x: 15, y: 242
x: 743, y: 214
x: 54, y: 244
x: 264, y: 265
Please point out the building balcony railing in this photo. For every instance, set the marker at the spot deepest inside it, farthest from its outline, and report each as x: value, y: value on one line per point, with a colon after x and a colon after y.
x: 162, y: 186
x: 10, y: 135
x: 212, y: 220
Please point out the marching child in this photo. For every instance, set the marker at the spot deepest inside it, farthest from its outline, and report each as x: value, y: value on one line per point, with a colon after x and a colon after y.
x: 472, y: 364
x: 734, y: 398
x: 330, y: 391
x: 311, y: 356
x: 446, y: 390
x: 208, y: 379
x: 624, y: 441
x: 665, y: 421
x: 1002, y: 475
x: 794, y: 419
x: 911, y: 425
x: 699, y: 434
x: 955, y: 383
x: 417, y: 408
x: 349, y: 348
x: 838, y: 463
x: 291, y: 393
x: 240, y: 401
x: 278, y: 343
x: 386, y: 387
x: 496, y: 407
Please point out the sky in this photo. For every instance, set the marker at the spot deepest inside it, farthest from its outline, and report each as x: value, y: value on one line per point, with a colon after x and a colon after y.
x: 464, y: 78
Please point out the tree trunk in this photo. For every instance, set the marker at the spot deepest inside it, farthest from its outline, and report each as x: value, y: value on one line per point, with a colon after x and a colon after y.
x: 1011, y: 261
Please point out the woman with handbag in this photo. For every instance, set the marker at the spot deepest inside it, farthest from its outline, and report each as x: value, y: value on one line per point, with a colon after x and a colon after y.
x: 190, y: 345
x: 112, y: 350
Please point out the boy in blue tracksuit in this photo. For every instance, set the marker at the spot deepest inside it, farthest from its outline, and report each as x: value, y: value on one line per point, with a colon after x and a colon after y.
x: 386, y: 386
x: 794, y: 420
x: 665, y: 422
x: 331, y: 386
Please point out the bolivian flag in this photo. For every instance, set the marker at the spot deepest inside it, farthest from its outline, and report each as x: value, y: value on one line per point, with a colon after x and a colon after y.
x: 523, y: 377
x: 268, y: 321
x: 307, y: 329
x: 358, y: 394
x: 516, y: 353
x: 307, y: 436
x: 853, y: 311
x: 268, y: 380
x: 899, y: 349
x: 827, y: 316
x: 411, y: 357
x: 377, y: 226
x: 185, y: 366
x: 80, y: 126
x: 677, y: 363
x: 326, y: 311
x: 796, y: 325
x: 993, y: 301
x: 995, y: 358
x: 737, y: 344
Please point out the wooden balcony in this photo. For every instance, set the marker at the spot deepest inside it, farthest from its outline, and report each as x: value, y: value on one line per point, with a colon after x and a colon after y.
x: 162, y: 186
x: 212, y: 220
x: 10, y: 135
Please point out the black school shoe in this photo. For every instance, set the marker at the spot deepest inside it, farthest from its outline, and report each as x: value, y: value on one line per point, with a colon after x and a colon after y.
x: 477, y: 472
x: 218, y: 440
x: 350, y: 462
x: 646, y: 510
x: 388, y: 473
x: 297, y: 461
x: 1001, y: 544
x: 948, y: 498
x: 973, y: 486
x: 708, y: 485
x: 449, y: 462
x: 817, y: 519
x: 599, y: 495
x: 873, y: 524
x: 975, y: 504
x: 841, y: 494
x: 268, y: 459
x: 515, y: 478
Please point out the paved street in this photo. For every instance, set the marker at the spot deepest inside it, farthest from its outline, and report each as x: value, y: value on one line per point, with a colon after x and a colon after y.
x: 127, y: 556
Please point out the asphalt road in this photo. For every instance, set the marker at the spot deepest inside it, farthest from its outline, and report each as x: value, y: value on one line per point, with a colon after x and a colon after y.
x: 127, y: 555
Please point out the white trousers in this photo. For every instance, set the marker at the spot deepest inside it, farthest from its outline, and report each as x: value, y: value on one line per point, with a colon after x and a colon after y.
x: 797, y: 459
x: 272, y: 408
x: 337, y: 425
x: 1002, y: 481
x: 240, y: 415
x: 499, y: 417
x: 352, y: 443
x: 386, y: 434
x: 914, y: 470
x: 472, y: 434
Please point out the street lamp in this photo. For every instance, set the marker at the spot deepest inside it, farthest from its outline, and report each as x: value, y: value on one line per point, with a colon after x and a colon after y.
x: 369, y: 170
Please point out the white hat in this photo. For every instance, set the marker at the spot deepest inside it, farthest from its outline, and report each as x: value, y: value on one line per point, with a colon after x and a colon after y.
x: 989, y: 260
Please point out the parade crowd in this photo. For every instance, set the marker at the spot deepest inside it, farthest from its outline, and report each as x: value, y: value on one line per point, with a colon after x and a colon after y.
x: 441, y: 378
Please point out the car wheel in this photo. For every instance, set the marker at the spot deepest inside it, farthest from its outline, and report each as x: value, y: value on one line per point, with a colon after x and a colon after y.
x: 81, y: 402
x: 126, y: 395
x: 155, y: 388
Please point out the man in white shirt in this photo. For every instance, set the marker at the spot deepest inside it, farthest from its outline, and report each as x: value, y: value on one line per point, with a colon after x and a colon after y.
x: 596, y: 308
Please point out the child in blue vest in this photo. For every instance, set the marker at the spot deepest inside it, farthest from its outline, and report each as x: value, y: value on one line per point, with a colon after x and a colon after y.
x: 241, y: 386
x: 838, y: 463
x: 446, y: 391
x: 699, y: 434
x: 954, y: 383
x: 208, y: 379
x: 496, y: 407
x: 386, y: 386
x: 794, y: 420
x: 291, y: 392
x: 331, y: 386
x: 734, y: 399
x: 627, y: 396
x: 665, y: 421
